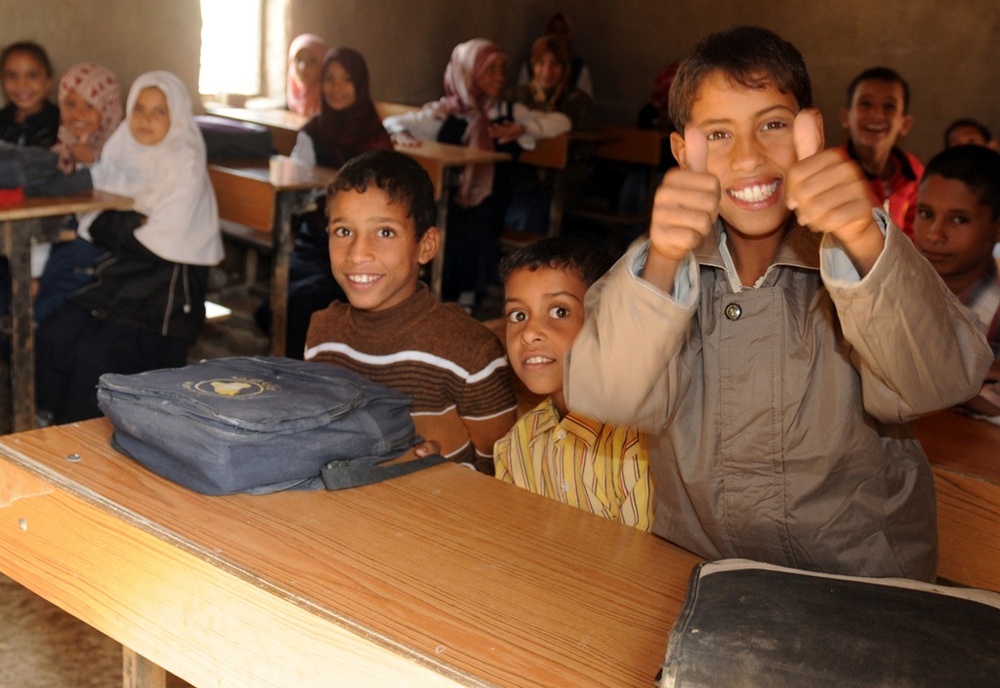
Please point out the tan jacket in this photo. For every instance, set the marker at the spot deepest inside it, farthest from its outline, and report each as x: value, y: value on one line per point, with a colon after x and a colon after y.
x: 779, y: 415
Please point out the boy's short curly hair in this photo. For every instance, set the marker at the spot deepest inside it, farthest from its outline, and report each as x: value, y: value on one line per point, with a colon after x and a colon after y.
x: 750, y: 56
x: 402, y: 179
x: 978, y: 167
x: 885, y: 74
x: 558, y: 253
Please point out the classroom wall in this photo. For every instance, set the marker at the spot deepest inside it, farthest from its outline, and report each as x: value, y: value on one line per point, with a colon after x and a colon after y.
x: 945, y: 49
x: 127, y: 36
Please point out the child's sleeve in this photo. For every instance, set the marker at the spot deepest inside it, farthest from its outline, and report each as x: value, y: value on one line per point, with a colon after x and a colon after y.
x: 539, y: 125
x: 422, y: 124
x: 913, y: 344
x: 635, y: 485
x: 622, y: 368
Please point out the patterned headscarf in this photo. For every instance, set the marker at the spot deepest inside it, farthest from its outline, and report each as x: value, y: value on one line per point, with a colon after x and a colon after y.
x: 99, y: 87
x: 462, y: 98
x: 304, y: 98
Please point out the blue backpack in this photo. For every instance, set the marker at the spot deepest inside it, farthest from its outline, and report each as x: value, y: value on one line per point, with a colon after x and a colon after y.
x: 260, y: 424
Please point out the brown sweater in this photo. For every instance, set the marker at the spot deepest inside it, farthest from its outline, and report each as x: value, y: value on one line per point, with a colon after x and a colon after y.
x: 451, y: 365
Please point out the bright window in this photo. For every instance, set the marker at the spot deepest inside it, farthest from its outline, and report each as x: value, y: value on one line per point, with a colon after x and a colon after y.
x: 230, y: 47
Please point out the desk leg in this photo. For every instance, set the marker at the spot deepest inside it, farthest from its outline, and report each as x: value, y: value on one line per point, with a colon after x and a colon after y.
x: 286, y: 205
x: 17, y: 246
x: 139, y: 672
x: 437, y: 264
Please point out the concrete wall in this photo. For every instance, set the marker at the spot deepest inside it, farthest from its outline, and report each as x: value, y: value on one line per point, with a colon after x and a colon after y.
x: 945, y: 49
x: 127, y: 36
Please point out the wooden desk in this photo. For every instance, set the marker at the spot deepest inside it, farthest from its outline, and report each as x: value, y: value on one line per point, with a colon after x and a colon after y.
x: 284, y: 124
x: 265, y: 196
x: 441, y: 578
x: 965, y: 457
x: 35, y: 218
x: 444, y: 163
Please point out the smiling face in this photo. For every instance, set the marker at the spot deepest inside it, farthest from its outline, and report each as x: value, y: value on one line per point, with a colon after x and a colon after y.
x: 954, y: 230
x: 150, y: 120
x: 750, y: 147
x: 79, y: 116
x: 338, y: 87
x: 876, y: 118
x: 375, y: 255
x: 25, y: 83
x: 490, y: 82
x: 544, y: 311
x: 547, y: 70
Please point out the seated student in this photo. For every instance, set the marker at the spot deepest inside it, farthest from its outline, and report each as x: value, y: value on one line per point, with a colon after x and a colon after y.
x: 147, y: 300
x: 90, y: 109
x: 968, y: 131
x: 956, y: 228
x: 472, y: 113
x: 29, y: 118
x: 302, y: 87
x: 876, y: 116
x: 393, y: 330
x: 551, y: 451
x: 558, y: 25
x: 346, y: 125
x: 775, y: 357
x: 549, y: 90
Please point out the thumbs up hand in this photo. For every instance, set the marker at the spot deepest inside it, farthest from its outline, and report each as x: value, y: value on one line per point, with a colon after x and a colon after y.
x: 829, y: 194
x: 685, y: 208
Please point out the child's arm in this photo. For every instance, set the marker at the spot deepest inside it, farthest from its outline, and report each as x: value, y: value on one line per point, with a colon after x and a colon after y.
x: 484, y: 433
x: 634, y: 485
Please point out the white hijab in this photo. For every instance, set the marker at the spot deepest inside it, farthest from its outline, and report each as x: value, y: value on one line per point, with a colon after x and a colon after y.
x: 167, y: 181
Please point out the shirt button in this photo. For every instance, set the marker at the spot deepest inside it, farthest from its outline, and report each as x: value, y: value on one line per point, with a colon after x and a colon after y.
x: 733, y: 311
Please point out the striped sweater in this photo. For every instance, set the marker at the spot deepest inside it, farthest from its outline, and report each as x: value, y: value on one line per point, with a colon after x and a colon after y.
x: 453, y: 368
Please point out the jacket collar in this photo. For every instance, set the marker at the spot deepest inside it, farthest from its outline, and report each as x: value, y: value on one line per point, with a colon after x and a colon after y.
x: 799, y: 248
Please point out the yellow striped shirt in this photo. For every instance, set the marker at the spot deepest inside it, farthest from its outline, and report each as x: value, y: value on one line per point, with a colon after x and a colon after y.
x: 603, y: 469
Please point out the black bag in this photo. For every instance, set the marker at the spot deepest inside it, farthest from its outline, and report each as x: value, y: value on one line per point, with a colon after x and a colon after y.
x: 750, y: 624
x: 228, y: 139
x: 260, y: 424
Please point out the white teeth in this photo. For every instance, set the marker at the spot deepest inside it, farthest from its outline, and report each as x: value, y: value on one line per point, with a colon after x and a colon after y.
x: 755, y: 193
x: 362, y: 279
x: 538, y: 359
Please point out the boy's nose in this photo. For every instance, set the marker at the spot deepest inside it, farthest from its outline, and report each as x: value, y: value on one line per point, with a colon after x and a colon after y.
x: 747, y: 153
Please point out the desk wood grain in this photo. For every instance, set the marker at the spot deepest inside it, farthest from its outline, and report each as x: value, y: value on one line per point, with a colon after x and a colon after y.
x: 444, y: 577
x: 965, y: 457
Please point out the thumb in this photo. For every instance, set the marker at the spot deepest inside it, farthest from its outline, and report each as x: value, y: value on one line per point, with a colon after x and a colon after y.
x: 695, y: 149
x: 807, y: 132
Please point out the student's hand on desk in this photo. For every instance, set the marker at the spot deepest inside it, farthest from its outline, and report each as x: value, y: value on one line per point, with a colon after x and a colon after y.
x: 404, y: 139
x: 685, y: 208
x: 829, y: 194
x: 427, y: 447
x: 506, y: 132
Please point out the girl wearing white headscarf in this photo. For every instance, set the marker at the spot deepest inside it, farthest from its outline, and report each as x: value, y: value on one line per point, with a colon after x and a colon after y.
x: 147, y: 301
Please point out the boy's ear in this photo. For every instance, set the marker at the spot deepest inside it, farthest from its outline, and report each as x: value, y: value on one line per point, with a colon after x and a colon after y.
x: 429, y: 243
x: 677, y: 148
x: 845, y: 118
x: 907, y: 125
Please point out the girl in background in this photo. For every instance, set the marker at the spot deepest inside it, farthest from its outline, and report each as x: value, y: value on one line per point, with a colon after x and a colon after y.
x: 147, y: 300
x: 90, y: 109
x: 472, y: 114
x: 29, y: 118
x: 346, y: 126
x: 305, y: 54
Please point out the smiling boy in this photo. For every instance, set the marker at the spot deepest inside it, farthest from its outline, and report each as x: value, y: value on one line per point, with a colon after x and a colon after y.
x: 576, y: 460
x: 775, y: 359
x: 876, y: 116
x: 393, y: 330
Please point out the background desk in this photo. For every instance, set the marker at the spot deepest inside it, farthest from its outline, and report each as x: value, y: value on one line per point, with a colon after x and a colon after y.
x: 965, y: 457
x: 441, y: 578
x: 35, y: 218
x: 265, y: 196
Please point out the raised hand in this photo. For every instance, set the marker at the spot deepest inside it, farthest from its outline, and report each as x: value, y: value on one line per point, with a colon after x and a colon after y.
x: 684, y: 209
